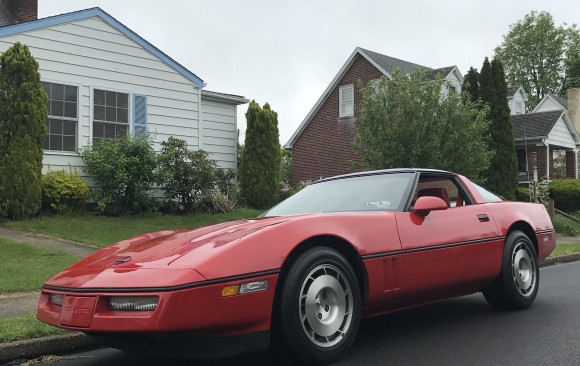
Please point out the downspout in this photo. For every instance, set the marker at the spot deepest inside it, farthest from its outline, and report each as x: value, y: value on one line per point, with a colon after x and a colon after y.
x: 547, y: 160
x: 199, y: 122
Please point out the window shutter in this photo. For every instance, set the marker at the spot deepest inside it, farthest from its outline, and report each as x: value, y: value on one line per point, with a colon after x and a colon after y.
x: 139, y: 115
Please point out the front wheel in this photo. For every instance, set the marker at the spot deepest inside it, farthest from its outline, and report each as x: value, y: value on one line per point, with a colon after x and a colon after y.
x: 320, y: 306
x: 517, y: 286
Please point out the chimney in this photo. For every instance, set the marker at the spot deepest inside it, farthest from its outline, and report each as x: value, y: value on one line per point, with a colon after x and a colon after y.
x: 22, y: 10
x: 574, y: 107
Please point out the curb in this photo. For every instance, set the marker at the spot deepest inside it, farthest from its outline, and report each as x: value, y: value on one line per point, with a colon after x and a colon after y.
x: 550, y: 261
x: 31, y: 348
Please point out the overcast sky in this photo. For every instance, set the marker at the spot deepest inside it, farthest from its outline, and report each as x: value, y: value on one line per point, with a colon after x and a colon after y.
x: 287, y: 52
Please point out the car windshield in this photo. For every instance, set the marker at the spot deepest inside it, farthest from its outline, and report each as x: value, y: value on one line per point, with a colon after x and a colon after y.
x: 380, y: 192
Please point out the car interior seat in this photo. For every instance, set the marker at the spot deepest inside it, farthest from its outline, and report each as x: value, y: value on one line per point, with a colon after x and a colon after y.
x: 435, y: 192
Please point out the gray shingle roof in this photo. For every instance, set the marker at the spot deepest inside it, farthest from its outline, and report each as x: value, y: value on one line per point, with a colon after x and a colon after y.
x: 390, y: 64
x: 562, y: 101
x: 535, y: 124
x: 5, y: 16
x: 443, y: 71
x: 512, y: 90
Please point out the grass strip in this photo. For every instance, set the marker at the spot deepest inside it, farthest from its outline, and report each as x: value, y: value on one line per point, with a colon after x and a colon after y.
x: 103, y: 231
x: 25, y: 268
x: 21, y: 327
x: 563, y: 248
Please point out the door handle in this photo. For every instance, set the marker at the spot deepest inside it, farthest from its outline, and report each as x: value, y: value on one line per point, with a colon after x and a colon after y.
x: 483, y: 218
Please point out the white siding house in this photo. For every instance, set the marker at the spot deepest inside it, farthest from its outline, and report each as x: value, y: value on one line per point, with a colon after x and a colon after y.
x: 103, y: 79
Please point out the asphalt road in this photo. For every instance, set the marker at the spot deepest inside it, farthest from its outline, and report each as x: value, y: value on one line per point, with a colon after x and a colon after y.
x: 464, y: 331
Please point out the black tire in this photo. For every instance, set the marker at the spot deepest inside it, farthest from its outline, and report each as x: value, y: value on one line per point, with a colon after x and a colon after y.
x: 320, y: 306
x: 517, y: 285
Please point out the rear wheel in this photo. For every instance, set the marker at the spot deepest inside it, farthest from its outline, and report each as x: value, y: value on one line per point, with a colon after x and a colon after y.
x: 517, y: 286
x: 320, y: 306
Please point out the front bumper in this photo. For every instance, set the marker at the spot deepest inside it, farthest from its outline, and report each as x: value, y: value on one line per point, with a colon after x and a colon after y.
x: 197, y: 311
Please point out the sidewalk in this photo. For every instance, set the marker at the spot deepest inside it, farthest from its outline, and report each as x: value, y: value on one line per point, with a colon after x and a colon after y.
x: 25, y: 303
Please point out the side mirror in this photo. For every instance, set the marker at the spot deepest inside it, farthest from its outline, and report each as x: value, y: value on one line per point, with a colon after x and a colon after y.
x: 426, y: 204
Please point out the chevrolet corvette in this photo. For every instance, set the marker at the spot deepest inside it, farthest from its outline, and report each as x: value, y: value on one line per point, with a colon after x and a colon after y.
x: 306, y: 271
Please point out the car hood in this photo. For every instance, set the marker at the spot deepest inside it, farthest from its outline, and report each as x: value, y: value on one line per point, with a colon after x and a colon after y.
x: 158, y: 253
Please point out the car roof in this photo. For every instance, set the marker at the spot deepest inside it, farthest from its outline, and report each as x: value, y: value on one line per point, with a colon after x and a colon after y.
x: 389, y: 171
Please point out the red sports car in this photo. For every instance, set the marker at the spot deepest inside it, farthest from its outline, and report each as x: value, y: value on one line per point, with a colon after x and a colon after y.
x: 307, y: 270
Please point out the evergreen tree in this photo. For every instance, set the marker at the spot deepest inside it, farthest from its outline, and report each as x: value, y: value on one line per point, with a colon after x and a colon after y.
x: 260, y: 165
x: 471, y: 84
x: 23, y: 116
x: 504, y: 163
x: 501, y: 177
x: 486, y: 86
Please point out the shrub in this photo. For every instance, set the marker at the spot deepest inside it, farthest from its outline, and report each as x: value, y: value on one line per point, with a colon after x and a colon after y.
x: 565, y: 227
x: 226, y: 182
x: 184, y: 174
x: 64, y: 191
x: 566, y: 194
x: 523, y: 194
x: 22, y: 133
x: 214, y: 203
x: 123, y: 170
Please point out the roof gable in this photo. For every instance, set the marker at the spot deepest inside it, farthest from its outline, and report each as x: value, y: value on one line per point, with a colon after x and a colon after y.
x: 517, y: 89
x: 560, y: 103
x: 98, y: 12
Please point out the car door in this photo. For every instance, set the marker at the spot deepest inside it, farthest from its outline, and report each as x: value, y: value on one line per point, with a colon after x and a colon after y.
x: 451, y: 251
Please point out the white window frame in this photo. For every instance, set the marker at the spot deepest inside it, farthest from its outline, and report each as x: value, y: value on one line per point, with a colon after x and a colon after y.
x: 77, y: 119
x: 92, y: 108
x: 342, y: 102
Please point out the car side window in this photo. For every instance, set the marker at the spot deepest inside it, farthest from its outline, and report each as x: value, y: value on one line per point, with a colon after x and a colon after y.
x: 442, y: 187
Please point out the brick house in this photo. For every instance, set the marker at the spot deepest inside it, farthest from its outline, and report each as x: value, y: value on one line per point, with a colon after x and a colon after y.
x: 549, y: 130
x: 322, y: 144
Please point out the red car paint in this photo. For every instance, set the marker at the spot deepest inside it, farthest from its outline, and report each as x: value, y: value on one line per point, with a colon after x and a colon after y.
x: 407, y: 259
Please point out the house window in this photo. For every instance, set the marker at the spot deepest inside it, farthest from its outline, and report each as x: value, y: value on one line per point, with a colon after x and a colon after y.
x: 522, y: 160
x: 519, y: 108
x: 346, y: 96
x: 62, y: 118
x: 110, y: 114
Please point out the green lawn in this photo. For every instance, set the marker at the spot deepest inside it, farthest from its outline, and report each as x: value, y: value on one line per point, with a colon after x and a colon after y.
x: 25, y: 327
x: 102, y: 230
x: 566, y: 227
x: 25, y: 268
x: 565, y: 248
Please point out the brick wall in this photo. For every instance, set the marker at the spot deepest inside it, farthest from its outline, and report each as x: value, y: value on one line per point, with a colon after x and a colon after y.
x: 23, y: 10
x: 324, y: 148
x: 570, y: 164
x: 542, y: 152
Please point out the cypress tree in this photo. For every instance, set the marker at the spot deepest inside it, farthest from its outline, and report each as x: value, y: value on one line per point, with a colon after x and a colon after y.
x: 501, y: 177
x: 471, y: 84
x: 260, y: 165
x: 23, y: 116
x: 504, y: 164
x: 486, y: 86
